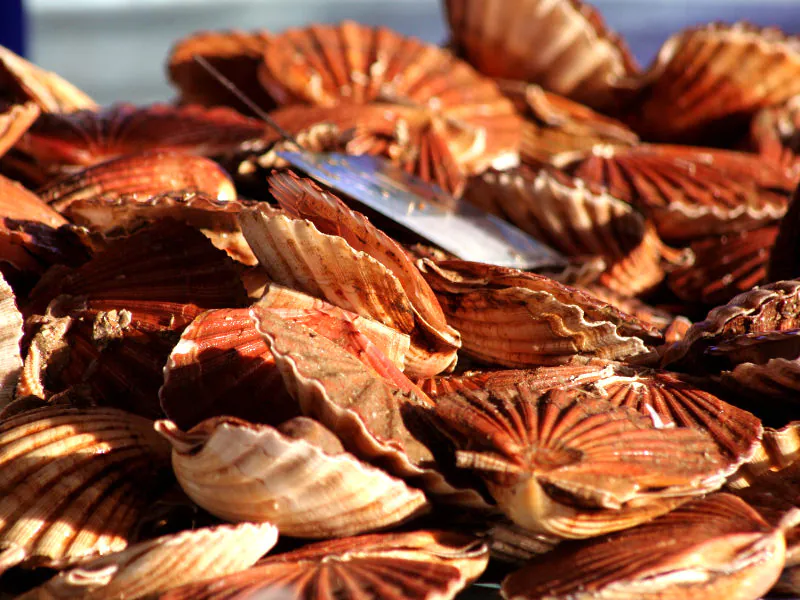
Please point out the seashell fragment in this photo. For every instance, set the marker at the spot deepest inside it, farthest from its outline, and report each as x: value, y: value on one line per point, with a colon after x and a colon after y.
x: 20, y: 204
x: 518, y: 319
x: 22, y: 81
x: 573, y: 465
x: 157, y: 565
x: 10, y: 338
x: 717, y: 547
x: 774, y: 134
x: 74, y: 483
x: 240, y: 471
x: 15, y: 120
x: 147, y: 174
x: 688, y: 192
x: 563, y: 46
x: 423, y: 565
x: 710, y: 80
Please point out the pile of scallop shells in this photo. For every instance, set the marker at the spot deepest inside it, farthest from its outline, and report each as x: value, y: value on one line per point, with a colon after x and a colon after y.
x: 220, y: 380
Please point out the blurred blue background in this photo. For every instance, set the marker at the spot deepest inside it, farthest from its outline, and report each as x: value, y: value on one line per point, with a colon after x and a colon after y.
x: 116, y: 49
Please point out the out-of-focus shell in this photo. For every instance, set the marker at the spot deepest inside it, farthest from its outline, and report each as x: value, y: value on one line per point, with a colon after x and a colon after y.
x: 773, y: 307
x: 15, y: 120
x: 774, y: 134
x: 724, y: 266
x: 328, y: 65
x: 222, y: 365
x: 579, y: 220
x: 296, y: 254
x: 516, y: 545
x: 784, y: 260
x: 61, y: 144
x: 75, y: 482
x: 564, y: 45
x: 236, y: 54
x: 554, y: 124
x: 717, y: 547
x: 145, y: 174
x: 21, y: 80
x: 157, y: 565
x: 518, y: 319
x: 20, y: 204
x: 573, y: 465
x: 709, y: 81
x: 418, y: 565
x: 121, y: 215
x: 240, y: 471
x: 10, y: 338
x: 375, y: 418
x: 688, y: 192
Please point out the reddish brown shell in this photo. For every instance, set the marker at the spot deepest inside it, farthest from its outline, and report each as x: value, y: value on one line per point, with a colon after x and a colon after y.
x: 724, y: 266
x: 579, y: 220
x: 236, y: 54
x: 518, y: 319
x: 15, y: 120
x: 774, y: 134
x: 564, y: 46
x: 75, y: 482
x: 145, y: 174
x: 571, y: 464
x: 418, y: 565
x: 688, y: 192
x: 717, y: 547
x: 708, y: 81
x: 784, y: 261
x: 20, y: 204
x: 653, y: 316
x: 22, y: 81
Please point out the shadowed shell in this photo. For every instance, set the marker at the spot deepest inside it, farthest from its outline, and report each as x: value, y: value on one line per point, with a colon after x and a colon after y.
x: 10, y: 338
x: 15, y: 120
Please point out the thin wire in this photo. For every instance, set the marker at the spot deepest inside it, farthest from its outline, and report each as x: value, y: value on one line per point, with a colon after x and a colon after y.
x: 258, y: 111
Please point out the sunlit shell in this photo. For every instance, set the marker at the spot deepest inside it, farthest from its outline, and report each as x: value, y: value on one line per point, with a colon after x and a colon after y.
x: 146, y: 174
x: 157, y: 565
x: 711, y: 79
x: 120, y: 215
x: 74, y: 482
x: 116, y: 312
x: 651, y: 315
x: 21, y: 80
x: 222, y: 365
x: 10, y: 338
x: 688, y: 192
x: 717, y: 547
x: 20, y: 204
x: 774, y: 134
x: 15, y: 120
x: 564, y: 46
x: 773, y: 307
x: 579, y: 220
x: 61, y: 144
x: 349, y: 63
x: 553, y: 461
x: 240, y: 471
x: 779, y: 449
x: 518, y: 319
x: 375, y: 418
x: 236, y: 54
x: 419, y: 565
x: 296, y: 254
x: 724, y: 266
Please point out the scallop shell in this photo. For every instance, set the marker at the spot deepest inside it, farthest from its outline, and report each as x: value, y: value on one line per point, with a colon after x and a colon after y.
x: 296, y: 254
x: 564, y: 46
x: 419, y: 565
x: 783, y: 260
x: 223, y: 366
x: 15, y: 120
x: 579, y: 220
x: 236, y: 54
x: 653, y: 316
x: 10, y: 338
x: 20, y: 204
x: 516, y: 545
x: 375, y: 418
x: 688, y: 193
x: 157, y: 565
x: 75, y: 483
x: 710, y: 80
x: 574, y: 465
x: 724, y: 266
x: 717, y: 547
x: 518, y: 319
x: 779, y: 449
x: 146, y: 174
x: 240, y: 471
x: 21, y: 80
x: 772, y: 307
x: 774, y: 134
x: 61, y: 144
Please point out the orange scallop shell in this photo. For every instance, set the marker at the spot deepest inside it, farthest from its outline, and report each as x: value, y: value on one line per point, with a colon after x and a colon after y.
x: 15, y: 120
